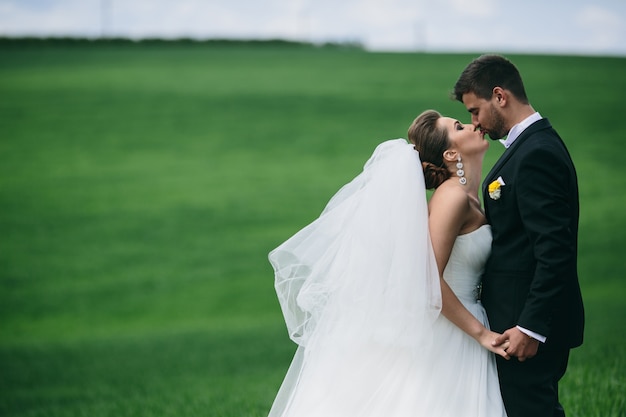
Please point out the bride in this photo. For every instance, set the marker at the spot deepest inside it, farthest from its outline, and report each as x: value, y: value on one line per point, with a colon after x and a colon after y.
x: 381, y: 291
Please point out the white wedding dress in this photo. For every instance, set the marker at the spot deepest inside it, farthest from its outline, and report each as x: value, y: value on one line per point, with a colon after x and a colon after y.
x: 360, y: 293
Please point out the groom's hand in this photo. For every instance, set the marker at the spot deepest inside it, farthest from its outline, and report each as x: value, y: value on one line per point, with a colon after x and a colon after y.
x: 520, y: 345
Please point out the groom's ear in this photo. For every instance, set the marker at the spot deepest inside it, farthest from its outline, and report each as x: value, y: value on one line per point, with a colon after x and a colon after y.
x: 500, y: 95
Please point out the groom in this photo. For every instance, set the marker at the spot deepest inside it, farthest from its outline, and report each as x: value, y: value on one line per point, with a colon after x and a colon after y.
x: 530, y: 285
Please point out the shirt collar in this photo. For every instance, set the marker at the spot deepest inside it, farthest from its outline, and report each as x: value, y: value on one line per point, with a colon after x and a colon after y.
x: 519, y: 128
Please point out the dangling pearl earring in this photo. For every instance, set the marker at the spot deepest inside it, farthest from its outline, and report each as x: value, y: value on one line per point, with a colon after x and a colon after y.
x: 460, y: 171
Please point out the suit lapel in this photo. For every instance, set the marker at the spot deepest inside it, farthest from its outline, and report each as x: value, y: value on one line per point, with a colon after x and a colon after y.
x: 491, y: 176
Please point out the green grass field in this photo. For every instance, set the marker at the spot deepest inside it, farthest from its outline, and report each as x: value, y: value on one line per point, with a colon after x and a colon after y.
x: 142, y: 186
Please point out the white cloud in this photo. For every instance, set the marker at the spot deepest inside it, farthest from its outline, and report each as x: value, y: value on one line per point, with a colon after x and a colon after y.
x: 59, y: 18
x: 475, y: 8
x: 604, y: 28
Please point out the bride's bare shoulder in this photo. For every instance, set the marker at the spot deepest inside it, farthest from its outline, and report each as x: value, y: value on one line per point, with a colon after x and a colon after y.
x: 449, y: 193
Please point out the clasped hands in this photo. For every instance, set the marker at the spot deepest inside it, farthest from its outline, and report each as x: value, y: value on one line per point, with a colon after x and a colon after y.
x: 514, y: 342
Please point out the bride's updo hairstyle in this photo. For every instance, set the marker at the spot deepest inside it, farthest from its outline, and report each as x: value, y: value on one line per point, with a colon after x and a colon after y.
x: 431, y: 142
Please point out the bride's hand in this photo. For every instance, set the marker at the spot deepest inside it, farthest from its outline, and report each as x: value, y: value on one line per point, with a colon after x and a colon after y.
x: 486, y: 340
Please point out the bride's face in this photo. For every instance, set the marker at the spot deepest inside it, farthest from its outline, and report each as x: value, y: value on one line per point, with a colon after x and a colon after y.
x: 463, y: 137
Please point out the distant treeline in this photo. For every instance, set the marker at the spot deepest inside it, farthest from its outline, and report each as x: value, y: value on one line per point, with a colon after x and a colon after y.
x: 119, y: 41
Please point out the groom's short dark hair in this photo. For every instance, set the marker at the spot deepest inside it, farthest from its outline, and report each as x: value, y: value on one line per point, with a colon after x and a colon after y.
x: 485, y: 73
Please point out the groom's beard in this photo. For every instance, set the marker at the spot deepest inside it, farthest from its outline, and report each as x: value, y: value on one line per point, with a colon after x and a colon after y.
x: 498, y: 129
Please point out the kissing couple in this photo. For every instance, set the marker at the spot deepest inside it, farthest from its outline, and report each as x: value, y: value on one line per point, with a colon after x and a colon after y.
x: 404, y: 306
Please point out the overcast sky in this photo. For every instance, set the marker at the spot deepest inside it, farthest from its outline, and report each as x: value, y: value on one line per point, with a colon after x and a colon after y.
x: 596, y: 27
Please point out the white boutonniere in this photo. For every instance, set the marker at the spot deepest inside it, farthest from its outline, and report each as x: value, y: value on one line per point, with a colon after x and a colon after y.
x: 495, y: 188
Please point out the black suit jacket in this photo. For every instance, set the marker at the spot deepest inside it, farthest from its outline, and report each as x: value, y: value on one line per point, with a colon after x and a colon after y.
x: 531, y: 276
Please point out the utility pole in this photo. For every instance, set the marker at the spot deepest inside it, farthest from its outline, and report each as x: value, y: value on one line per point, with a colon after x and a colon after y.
x: 105, y: 14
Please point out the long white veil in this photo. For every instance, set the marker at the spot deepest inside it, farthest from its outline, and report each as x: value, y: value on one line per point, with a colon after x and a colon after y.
x: 359, y: 290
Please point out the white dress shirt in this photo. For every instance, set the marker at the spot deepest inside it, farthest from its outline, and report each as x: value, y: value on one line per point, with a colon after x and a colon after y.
x: 519, y: 128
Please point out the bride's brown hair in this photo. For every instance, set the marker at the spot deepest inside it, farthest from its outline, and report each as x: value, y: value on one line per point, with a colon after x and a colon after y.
x: 431, y: 142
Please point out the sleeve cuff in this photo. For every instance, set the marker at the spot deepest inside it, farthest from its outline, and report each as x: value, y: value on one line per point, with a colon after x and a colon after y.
x: 532, y: 334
